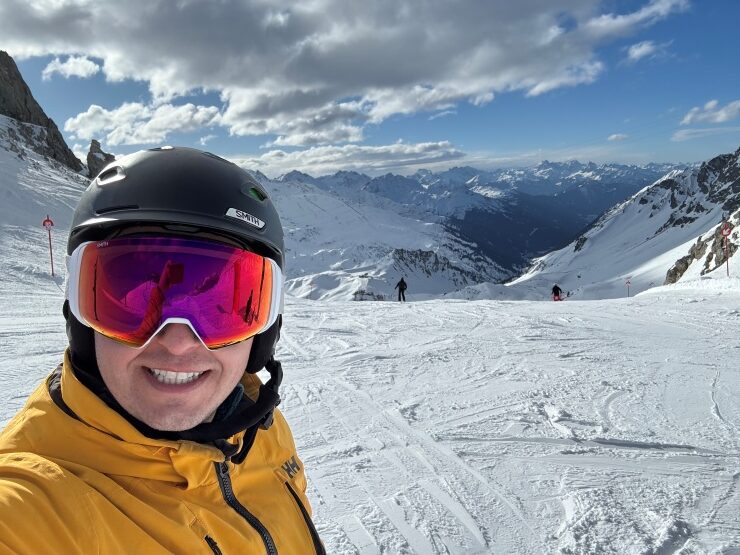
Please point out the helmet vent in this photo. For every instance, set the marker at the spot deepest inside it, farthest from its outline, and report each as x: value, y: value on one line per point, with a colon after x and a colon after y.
x: 256, y: 193
x: 111, y: 175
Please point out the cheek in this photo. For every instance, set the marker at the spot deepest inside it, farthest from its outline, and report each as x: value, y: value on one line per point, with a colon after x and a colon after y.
x: 112, y: 357
x: 234, y: 358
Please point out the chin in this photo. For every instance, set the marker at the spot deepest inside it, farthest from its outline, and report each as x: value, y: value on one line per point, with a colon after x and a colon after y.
x: 173, y: 423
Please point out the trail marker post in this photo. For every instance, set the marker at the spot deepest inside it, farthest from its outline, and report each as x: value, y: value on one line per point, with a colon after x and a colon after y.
x: 726, y: 231
x: 48, y: 224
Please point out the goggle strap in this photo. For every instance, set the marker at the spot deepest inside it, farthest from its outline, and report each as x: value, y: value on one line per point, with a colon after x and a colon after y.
x: 276, y: 306
x: 74, y: 262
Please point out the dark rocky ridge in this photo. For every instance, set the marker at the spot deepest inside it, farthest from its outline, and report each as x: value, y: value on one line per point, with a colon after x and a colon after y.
x: 718, y: 182
x: 97, y: 159
x: 17, y: 102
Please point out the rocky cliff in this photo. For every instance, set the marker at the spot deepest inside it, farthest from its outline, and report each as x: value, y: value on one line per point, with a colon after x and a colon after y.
x: 97, y: 159
x: 17, y: 102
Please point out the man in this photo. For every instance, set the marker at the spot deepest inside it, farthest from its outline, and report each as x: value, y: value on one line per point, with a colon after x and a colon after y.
x: 155, y: 435
x: 401, y: 286
x: 556, y: 293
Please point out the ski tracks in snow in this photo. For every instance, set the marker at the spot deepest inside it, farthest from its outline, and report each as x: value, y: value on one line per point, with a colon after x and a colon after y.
x: 486, y: 427
x: 511, y: 427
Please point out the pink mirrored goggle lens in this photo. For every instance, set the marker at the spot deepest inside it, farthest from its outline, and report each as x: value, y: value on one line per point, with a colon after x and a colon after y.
x: 127, y: 288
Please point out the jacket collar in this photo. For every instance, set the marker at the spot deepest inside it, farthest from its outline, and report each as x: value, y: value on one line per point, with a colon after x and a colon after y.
x: 106, y: 442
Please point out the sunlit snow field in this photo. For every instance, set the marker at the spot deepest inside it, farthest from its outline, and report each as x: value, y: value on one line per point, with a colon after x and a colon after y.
x: 470, y: 427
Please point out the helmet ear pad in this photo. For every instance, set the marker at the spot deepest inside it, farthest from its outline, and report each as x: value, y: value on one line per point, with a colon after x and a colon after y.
x: 263, y: 346
x: 81, y: 343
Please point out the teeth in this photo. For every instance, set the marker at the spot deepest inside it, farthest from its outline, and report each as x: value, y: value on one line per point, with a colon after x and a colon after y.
x: 165, y: 376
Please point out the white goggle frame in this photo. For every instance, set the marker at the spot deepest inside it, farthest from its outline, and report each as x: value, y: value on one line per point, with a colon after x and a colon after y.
x: 72, y: 293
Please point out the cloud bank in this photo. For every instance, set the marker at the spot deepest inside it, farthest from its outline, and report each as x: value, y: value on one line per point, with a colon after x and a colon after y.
x: 321, y: 160
x: 317, y: 72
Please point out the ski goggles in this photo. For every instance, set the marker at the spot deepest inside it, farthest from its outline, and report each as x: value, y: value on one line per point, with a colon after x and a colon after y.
x: 129, y: 288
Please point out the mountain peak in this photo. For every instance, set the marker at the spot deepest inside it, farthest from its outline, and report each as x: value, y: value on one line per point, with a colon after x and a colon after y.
x: 97, y: 159
x: 17, y: 102
x: 296, y: 175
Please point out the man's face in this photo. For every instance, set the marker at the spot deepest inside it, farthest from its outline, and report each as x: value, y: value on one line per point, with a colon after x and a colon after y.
x: 175, y: 382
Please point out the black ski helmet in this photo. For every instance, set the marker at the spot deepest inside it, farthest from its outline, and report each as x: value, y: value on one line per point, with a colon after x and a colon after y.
x: 182, y: 191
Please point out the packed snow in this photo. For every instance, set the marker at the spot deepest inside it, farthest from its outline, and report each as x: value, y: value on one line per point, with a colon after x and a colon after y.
x: 451, y: 426
x: 467, y: 427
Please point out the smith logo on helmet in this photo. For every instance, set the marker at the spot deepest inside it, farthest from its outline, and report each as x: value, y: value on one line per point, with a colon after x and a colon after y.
x: 245, y: 217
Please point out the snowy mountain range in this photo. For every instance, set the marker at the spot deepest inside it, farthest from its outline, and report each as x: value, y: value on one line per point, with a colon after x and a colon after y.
x: 462, y: 231
x: 665, y: 232
x: 349, y: 236
x: 485, y: 226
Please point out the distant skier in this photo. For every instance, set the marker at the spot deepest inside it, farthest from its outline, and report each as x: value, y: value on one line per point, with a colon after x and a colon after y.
x: 401, y: 286
x: 556, y: 292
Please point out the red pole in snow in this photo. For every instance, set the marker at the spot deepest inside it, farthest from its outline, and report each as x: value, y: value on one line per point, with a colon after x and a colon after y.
x: 48, y: 224
x: 727, y: 258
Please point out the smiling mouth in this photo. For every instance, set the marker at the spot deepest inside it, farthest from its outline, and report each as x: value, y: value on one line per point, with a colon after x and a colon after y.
x: 174, y: 378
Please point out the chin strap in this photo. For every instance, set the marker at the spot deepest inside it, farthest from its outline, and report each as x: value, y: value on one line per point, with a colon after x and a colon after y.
x: 267, y: 391
x: 248, y: 415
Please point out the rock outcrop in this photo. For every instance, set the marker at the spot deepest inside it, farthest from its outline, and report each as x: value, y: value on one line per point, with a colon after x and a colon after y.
x: 696, y: 252
x: 97, y: 159
x: 715, y: 184
x: 17, y: 102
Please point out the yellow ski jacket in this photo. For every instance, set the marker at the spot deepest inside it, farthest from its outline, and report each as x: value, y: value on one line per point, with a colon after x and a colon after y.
x: 84, y: 480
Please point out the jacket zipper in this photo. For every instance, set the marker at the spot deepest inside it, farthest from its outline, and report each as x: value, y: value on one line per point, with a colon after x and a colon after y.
x: 318, y: 546
x: 213, y: 545
x: 224, y: 481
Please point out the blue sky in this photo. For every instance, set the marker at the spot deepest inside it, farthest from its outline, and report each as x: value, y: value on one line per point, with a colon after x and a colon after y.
x: 390, y: 85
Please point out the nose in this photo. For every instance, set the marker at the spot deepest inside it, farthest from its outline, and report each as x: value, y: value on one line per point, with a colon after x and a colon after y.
x: 178, y: 339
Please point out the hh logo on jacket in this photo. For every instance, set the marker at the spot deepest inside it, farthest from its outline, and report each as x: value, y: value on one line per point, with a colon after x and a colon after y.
x: 291, y: 467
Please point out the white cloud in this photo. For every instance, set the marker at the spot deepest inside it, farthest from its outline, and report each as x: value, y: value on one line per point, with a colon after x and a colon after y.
x: 482, y: 99
x: 710, y: 113
x: 205, y: 140
x: 398, y: 157
x: 690, y: 134
x: 136, y: 123
x: 284, y: 114
x: 647, y: 49
x: 308, y: 78
x: 336, y: 134
x: 611, y: 25
x: 442, y: 114
x: 75, y: 66
x: 586, y: 72
x: 80, y: 151
x: 641, y: 50
x: 617, y: 137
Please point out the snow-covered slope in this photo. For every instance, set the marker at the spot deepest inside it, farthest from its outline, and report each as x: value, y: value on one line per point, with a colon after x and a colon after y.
x: 492, y: 212
x: 354, y: 248
x: 485, y: 427
x: 32, y: 186
x: 640, y: 239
